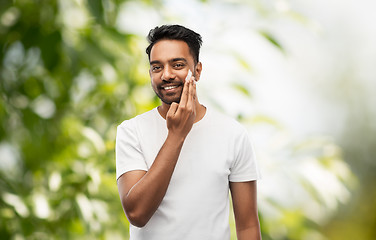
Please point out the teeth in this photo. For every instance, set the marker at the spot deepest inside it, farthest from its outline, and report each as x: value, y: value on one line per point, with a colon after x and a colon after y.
x: 170, y: 87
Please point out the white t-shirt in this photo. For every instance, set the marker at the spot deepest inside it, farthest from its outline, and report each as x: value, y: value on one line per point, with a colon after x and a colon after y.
x: 196, y: 205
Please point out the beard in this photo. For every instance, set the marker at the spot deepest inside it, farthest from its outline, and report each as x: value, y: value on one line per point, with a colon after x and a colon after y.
x: 168, y: 97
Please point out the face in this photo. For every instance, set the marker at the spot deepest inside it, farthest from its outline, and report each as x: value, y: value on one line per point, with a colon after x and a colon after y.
x: 170, y: 61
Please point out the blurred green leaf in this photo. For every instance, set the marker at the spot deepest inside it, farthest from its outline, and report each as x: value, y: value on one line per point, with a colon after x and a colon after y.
x: 241, y: 89
x: 97, y: 10
x: 268, y: 36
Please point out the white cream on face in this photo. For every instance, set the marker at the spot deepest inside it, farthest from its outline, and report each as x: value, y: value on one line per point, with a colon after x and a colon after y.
x: 189, y: 75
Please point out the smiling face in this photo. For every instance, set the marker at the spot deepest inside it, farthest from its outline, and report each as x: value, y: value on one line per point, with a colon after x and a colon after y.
x: 170, y: 61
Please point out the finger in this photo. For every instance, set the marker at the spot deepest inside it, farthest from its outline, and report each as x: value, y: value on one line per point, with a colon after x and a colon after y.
x: 173, y: 108
x: 194, y: 92
x: 194, y: 89
x: 192, y: 95
x: 195, y: 81
x: 184, y: 95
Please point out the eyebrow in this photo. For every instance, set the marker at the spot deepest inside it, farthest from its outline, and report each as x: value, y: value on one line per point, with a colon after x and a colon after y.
x: 172, y: 60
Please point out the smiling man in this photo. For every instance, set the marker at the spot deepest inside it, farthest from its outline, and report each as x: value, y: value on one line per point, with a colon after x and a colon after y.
x: 176, y: 163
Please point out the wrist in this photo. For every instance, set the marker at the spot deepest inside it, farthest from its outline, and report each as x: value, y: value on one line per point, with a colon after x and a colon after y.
x: 175, y: 138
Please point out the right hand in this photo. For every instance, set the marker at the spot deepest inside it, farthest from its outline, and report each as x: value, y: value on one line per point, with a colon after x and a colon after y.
x: 180, y: 117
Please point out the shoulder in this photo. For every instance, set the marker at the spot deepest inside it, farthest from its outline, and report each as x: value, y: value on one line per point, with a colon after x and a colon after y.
x: 226, y: 122
x: 139, y: 119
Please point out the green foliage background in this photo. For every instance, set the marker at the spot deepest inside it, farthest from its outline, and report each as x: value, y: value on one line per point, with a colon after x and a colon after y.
x: 64, y: 154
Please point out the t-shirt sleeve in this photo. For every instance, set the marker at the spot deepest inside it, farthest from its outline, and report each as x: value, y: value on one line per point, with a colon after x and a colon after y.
x: 129, y: 156
x: 244, y: 167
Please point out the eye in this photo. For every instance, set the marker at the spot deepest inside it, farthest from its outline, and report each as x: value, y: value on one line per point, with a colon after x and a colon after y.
x: 179, y: 65
x: 155, y: 68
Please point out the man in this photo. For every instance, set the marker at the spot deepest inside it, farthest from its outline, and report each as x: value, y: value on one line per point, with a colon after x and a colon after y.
x: 176, y: 163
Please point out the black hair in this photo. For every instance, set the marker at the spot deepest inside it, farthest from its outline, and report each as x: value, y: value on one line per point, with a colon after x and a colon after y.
x: 176, y: 32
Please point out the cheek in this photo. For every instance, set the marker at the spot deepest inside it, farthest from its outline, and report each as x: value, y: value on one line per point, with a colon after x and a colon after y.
x: 154, y: 79
x: 181, y: 76
x: 154, y: 85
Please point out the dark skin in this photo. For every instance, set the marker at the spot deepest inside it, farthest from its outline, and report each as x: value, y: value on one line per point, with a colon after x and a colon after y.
x: 141, y: 192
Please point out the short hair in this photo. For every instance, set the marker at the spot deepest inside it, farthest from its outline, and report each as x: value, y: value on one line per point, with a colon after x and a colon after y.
x: 176, y: 32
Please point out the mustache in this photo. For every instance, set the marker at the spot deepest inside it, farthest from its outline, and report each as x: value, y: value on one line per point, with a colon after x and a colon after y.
x: 170, y: 83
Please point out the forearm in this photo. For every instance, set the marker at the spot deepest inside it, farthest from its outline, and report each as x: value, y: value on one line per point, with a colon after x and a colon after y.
x: 251, y: 233
x: 244, y: 197
x: 143, y: 199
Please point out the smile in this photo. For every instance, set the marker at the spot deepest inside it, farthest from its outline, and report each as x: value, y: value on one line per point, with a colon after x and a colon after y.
x: 170, y: 87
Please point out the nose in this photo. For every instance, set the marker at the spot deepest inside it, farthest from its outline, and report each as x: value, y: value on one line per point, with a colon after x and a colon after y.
x: 167, y: 74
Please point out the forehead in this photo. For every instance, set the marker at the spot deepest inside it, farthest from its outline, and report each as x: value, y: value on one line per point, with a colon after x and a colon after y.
x: 165, y: 50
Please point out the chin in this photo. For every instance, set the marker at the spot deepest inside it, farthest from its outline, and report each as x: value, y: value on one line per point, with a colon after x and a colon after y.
x: 171, y: 101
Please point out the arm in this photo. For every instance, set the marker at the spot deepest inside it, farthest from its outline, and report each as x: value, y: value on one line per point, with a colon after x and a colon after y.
x: 244, y: 198
x: 141, y: 192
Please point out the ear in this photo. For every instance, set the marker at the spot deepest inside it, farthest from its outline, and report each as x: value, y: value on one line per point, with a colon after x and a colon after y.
x: 198, y: 70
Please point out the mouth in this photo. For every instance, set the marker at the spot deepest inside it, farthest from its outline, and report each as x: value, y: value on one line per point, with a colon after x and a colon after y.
x: 170, y: 87
x: 170, y: 92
